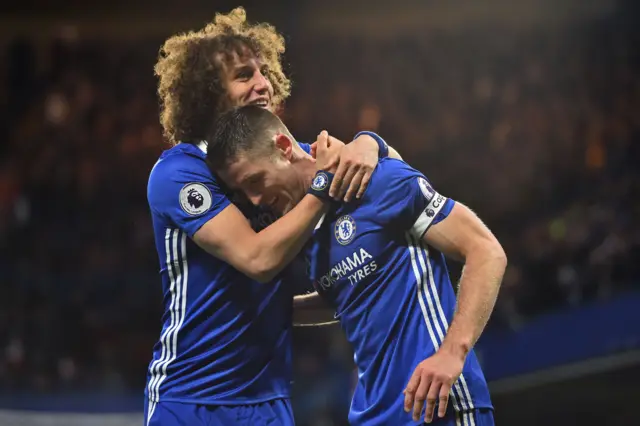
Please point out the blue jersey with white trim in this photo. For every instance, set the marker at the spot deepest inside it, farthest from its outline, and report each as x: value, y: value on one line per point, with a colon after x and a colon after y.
x: 391, y: 291
x: 225, y: 339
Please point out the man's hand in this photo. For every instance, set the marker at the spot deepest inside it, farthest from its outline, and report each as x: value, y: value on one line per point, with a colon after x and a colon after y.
x: 432, y: 380
x: 358, y: 160
x: 326, y: 149
x: 354, y: 166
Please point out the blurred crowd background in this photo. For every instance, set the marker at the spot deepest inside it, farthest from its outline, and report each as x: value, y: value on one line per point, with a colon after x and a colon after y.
x: 536, y: 129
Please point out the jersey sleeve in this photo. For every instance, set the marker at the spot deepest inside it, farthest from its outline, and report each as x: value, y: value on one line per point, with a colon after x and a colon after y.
x: 305, y: 146
x: 404, y: 198
x: 183, y: 190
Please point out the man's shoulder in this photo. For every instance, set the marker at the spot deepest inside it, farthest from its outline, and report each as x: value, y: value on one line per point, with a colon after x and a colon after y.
x: 390, y: 165
x: 180, y: 160
x: 390, y: 173
x: 179, y: 170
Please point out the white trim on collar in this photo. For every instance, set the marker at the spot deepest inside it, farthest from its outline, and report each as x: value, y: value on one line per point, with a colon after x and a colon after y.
x: 203, y: 146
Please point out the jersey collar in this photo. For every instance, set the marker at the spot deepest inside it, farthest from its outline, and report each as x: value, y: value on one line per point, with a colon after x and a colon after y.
x: 203, y: 146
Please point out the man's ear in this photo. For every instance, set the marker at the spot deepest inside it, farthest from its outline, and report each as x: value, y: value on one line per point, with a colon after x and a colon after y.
x: 284, y: 144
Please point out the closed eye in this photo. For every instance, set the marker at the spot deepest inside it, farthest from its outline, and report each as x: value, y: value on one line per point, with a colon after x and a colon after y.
x: 252, y: 181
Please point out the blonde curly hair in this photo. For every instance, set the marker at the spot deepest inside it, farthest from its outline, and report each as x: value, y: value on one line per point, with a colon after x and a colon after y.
x: 190, y: 88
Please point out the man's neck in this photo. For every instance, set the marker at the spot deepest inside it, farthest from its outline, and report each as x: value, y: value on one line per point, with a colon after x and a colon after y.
x: 306, y: 168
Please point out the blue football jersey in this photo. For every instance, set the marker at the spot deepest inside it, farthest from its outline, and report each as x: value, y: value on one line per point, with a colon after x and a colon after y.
x: 391, y: 291
x: 225, y: 338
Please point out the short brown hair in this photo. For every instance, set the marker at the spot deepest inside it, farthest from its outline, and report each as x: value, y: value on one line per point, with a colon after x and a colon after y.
x: 190, y: 88
x: 241, y: 131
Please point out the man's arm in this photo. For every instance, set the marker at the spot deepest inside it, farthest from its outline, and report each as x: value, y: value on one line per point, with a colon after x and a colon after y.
x: 462, y: 236
x: 372, y: 144
x: 310, y: 310
x: 358, y: 160
x: 261, y: 256
x: 406, y: 200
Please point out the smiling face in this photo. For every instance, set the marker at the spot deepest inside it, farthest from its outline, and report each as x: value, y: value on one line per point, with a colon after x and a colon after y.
x: 245, y: 77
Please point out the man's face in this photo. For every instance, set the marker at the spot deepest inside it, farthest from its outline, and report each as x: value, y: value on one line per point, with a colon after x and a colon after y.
x: 269, y: 180
x: 246, y: 81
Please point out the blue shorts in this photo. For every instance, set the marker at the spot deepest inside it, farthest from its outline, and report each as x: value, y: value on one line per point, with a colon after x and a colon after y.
x: 477, y: 417
x: 273, y: 413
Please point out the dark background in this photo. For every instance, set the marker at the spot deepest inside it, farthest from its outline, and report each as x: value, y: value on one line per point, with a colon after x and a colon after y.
x: 528, y: 112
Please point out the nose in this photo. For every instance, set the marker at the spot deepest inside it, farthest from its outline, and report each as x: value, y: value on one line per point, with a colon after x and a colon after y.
x: 260, y: 82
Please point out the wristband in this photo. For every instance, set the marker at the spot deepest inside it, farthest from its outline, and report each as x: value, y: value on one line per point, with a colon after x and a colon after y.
x: 320, y: 185
x: 383, y: 148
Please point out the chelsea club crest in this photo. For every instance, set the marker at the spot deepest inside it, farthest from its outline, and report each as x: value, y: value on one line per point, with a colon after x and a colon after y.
x: 320, y: 182
x: 345, y: 229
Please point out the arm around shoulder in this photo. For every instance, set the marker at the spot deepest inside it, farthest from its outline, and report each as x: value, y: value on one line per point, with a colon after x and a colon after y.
x: 262, y: 255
